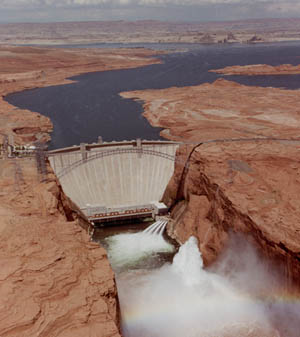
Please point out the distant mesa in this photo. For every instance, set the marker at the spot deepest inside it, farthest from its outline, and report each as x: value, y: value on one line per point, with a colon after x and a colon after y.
x: 254, y: 39
x: 230, y: 38
x: 207, y: 38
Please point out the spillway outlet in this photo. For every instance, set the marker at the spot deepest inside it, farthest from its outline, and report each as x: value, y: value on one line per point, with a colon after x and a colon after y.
x: 101, y: 215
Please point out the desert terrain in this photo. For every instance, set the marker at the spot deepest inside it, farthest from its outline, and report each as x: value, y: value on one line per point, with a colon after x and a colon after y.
x: 223, y: 109
x: 259, y: 69
x: 151, y: 31
x: 53, y: 280
x: 245, y: 180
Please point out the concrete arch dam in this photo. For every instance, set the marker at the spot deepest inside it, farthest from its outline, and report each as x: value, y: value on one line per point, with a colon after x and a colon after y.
x: 111, y: 181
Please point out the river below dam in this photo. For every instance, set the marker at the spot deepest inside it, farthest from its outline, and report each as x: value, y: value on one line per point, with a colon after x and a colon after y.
x: 92, y: 107
x: 166, y: 292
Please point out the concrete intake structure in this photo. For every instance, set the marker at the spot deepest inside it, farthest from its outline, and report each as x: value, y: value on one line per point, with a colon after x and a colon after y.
x: 111, y: 180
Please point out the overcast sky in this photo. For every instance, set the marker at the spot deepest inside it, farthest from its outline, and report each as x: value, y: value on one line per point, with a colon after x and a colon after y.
x: 184, y: 10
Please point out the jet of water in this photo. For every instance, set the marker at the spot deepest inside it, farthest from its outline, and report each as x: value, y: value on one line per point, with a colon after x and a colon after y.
x: 126, y: 250
x: 157, y: 228
x: 183, y: 299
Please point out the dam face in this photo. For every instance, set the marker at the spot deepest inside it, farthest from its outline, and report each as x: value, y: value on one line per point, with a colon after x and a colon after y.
x: 115, y: 180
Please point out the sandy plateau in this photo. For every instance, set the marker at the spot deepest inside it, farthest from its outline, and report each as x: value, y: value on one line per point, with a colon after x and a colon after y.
x: 247, y: 184
x: 223, y: 109
x: 53, y: 280
x: 259, y: 69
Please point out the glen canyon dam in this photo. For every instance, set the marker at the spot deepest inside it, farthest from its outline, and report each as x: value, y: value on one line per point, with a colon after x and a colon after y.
x: 116, y: 180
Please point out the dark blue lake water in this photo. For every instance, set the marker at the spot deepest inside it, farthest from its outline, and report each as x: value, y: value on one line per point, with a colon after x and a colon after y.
x: 91, y: 107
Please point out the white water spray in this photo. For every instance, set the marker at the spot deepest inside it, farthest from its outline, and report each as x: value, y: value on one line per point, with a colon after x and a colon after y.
x: 157, y: 228
x: 182, y: 299
x: 188, y: 263
x: 126, y: 250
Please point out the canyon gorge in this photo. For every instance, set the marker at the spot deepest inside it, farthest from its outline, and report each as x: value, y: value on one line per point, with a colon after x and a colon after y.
x: 238, y: 172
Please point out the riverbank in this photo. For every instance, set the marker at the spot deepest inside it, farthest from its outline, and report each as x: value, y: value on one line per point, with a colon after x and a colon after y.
x: 53, y: 280
x: 259, y: 70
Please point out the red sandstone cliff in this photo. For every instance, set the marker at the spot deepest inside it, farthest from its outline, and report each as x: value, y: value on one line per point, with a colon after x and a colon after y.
x: 249, y: 187
x: 53, y: 280
x: 242, y: 186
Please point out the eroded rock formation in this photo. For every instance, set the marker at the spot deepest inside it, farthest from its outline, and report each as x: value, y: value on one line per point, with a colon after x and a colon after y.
x: 247, y: 184
x: 250, y: 187
x: 53, y: 280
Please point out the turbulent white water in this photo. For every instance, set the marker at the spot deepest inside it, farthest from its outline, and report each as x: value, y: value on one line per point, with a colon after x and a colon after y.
x: 188, y: 263
x: 126, y: 250
x: 237, y: 297
x: 183, y: 300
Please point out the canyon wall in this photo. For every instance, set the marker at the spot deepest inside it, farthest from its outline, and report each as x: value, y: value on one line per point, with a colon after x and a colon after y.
x: 242, y: 176
x: 218, y: 189
x: 53, y: 280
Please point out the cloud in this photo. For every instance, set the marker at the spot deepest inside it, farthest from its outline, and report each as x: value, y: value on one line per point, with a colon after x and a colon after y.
x: 182, y: 10
x: 122, y: 3
x: 284, y: 7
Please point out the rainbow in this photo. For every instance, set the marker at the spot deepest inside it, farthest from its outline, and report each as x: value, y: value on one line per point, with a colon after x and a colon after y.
x: 151, y: 314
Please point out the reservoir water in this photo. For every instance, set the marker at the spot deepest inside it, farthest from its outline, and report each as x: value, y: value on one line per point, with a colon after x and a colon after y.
x: 91, y: 106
